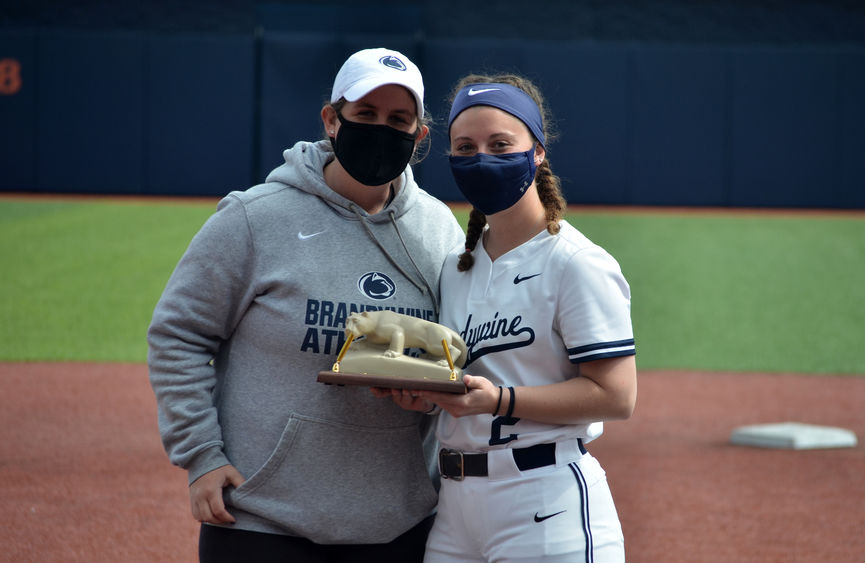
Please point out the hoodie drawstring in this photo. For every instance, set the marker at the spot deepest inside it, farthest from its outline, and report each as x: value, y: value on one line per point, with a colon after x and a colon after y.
x: 432, y: 293
x: 422, y: 289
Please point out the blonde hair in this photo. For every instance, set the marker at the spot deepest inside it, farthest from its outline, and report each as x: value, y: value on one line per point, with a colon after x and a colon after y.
x: 548, y: 184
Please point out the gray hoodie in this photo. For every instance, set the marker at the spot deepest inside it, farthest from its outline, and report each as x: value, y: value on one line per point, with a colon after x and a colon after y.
x: 255, y: 309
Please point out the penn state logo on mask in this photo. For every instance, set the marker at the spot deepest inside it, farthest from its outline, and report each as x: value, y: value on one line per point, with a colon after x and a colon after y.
x: 376, y: 285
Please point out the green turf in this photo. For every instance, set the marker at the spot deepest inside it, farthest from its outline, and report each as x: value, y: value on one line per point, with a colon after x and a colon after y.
x: 742, y: 292
x: 728, y: 292
x: 81, y: 279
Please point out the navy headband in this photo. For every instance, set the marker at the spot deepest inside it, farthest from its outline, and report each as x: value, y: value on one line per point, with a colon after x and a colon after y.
x: 505, y: 97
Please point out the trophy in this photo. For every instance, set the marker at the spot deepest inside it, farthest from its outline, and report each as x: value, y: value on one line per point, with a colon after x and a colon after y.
x: 374, y: 354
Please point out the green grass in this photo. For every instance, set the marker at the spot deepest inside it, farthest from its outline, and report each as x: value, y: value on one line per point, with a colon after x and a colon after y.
x: 710, y: 292
x: 742, y: 292
x: 80, y: 279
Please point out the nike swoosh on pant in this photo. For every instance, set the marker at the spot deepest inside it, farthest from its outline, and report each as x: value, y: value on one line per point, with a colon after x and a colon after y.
x: 542, y: 518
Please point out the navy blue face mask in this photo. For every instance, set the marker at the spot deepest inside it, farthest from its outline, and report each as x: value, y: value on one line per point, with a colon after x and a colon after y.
x: 494, y: 182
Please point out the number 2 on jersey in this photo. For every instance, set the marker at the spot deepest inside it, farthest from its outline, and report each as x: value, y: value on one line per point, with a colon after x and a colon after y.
x: 496, y: 431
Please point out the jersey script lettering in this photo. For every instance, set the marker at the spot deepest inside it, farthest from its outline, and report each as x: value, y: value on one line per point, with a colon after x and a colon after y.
x: 497, y: 328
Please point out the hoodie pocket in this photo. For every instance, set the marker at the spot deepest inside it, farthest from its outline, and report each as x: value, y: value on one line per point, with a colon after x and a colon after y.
x: 337, y: 483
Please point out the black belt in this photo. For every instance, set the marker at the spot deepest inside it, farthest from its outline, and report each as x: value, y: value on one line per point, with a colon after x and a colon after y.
x: 457, y: 465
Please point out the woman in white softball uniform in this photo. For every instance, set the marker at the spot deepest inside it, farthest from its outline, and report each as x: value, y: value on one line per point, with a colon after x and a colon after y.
x: 545, y: 314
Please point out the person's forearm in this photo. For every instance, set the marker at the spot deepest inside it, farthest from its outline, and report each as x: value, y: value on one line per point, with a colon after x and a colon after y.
x: 606, y: 390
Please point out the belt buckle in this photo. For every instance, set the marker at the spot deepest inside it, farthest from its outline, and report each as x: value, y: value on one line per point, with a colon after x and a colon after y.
x: 448, y: 452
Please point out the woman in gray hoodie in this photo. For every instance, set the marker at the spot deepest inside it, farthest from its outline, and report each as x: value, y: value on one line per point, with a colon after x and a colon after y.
x: 282, y: 467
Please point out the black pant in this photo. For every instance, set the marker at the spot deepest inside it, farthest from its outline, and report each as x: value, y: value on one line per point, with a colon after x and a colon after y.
x: 226, y: 545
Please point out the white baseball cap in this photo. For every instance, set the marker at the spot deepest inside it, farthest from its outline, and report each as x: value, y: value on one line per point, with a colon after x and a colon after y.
x: 368, y: 69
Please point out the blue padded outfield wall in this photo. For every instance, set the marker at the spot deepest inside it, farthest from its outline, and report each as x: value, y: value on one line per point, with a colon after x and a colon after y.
x: 135, y: 112
x: 127, y: 113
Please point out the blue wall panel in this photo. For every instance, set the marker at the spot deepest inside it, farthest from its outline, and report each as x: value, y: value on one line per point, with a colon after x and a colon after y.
x: 18, y: 110
x: 588, y: 89
x: 296, y: 77
x: 783, y: 133
x: 637, y: 123
x: 680, y: 111
x: 326, y: 18
x: 851, y: 129
x: 91, y: 106
x: 200, y: 106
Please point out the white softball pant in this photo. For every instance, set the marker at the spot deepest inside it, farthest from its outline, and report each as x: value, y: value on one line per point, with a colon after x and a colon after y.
x: 562, y: 512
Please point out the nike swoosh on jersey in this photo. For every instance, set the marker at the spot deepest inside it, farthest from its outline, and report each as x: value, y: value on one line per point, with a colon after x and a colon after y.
x: 302, y: 236
x: 518, y: 279
x: 542, y: 518
x: 473, y: 92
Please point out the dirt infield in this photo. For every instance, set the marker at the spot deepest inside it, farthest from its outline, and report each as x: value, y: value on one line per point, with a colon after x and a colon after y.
x: 84, y: 478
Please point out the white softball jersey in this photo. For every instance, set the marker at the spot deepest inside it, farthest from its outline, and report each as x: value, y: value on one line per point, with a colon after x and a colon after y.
x: 530, y: 318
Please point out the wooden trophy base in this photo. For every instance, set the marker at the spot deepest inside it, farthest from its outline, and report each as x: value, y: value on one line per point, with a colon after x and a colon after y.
x: 370, y: 367
x: 366, y: 380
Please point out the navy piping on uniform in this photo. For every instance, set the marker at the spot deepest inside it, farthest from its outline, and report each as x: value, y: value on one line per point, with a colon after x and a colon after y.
x: 601, y: 350
x: 584, y: 504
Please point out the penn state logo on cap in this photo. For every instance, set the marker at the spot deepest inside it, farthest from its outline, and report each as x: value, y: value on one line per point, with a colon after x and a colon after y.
x: 376, y: 285
x: 392, y: 62
x: 369, y: 69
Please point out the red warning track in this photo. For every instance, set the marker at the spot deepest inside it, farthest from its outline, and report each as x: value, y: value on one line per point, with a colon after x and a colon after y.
x: 84, y: 478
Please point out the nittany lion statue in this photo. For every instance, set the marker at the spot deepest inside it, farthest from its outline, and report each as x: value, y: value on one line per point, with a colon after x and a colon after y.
x: 400, y: 331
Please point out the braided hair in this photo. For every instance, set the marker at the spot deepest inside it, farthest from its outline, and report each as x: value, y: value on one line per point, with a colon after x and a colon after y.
x: 548, y: 184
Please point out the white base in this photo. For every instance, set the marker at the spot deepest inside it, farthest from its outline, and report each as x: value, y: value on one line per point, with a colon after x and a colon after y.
x: 793, y: 436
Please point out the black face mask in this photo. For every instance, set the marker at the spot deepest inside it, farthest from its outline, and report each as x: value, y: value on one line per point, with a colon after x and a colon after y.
x: 372, y: 154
